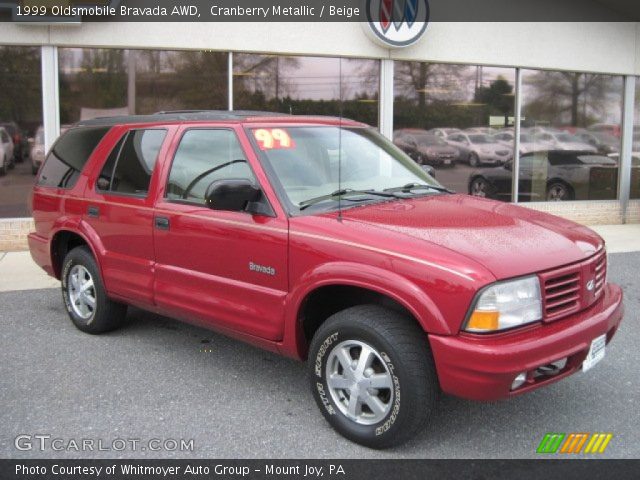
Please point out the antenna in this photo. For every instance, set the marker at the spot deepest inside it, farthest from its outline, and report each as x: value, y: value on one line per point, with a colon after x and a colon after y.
x: 340, y: 141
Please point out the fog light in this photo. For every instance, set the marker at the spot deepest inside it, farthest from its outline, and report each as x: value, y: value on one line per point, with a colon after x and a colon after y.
x: 520, y: 379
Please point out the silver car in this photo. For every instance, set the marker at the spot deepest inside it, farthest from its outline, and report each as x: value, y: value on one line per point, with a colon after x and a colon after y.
x: 6, y: 151
x: 481, y: 149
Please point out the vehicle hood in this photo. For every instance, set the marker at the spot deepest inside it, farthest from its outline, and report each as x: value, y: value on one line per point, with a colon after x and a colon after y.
x: 506, y: 239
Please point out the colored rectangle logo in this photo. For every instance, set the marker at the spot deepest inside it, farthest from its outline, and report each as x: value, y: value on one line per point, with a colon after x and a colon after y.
x: 574, y: 443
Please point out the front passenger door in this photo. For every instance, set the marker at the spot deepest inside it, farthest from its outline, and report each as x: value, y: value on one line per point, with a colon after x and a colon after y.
x: 225, y: 269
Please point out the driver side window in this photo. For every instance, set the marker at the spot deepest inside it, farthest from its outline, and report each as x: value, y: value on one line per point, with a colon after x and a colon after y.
x: 204, y: 156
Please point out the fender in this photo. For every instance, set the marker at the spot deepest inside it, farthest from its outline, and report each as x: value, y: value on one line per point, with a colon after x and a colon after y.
x: 85, y: 231
x: 387, y: 283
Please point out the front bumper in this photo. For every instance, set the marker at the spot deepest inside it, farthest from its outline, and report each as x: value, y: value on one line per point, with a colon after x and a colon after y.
x: 483, y: 367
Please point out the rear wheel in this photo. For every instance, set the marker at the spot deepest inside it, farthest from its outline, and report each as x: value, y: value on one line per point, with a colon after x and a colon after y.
x: 559, y: 191
x: 85, y: 297
x: 3, y: 167
x: 372, y: 375
x: 479, y: 187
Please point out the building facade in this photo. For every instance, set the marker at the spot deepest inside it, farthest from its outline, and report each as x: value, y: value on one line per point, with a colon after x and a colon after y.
x: 521, y: 112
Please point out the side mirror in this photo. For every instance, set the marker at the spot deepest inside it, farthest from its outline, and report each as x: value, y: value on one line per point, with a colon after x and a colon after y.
x: 231, y: 194
x: 429, y: 170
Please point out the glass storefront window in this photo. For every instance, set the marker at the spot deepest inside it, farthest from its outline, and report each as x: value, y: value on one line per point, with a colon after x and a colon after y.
x: 20, y: 117
x: 635, y: 156
x: 459, y: 120
x: 307, y: 85
x: 102, y: 82
x: 572, y: 120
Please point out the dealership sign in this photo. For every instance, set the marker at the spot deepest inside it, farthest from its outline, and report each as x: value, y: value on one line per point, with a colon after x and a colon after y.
x: 396, y: 23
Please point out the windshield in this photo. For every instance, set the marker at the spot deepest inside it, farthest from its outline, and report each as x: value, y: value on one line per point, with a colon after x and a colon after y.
x: 309, y: 161
x: 480, y: 139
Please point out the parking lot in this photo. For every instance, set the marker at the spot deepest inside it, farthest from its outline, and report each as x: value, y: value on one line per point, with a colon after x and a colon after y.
x: 158, y: 378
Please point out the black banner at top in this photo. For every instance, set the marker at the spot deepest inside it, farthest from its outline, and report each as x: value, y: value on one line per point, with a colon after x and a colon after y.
x: 389, y: 12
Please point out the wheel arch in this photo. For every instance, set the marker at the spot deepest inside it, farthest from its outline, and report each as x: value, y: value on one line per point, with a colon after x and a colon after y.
x: 317, y: 300
x: 68, y: 236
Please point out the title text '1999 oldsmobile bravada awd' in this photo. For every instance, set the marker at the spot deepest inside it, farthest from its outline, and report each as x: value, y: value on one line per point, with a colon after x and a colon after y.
x: 318, y: 239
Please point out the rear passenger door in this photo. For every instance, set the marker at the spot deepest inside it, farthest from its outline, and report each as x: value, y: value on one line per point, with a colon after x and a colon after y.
x: 224, y: 269
x: 120, y: 211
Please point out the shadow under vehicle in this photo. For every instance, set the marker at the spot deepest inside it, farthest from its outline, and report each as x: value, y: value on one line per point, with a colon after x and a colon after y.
x: 425, y: 148
x: 553, y: 175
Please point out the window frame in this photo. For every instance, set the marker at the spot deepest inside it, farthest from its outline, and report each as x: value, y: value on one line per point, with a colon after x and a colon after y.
x: 121, y: 141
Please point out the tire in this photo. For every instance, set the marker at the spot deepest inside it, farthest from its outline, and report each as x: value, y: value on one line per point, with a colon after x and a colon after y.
x: 399, y: 357
x: 3, y: 167
x: 34, y: 170
x: 474, y: 160
x: 479, y: 187
x: 80, y: 267
x: 559, y: 191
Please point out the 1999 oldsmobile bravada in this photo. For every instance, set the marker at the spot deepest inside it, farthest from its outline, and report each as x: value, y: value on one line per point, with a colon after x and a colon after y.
x: 318, y: 239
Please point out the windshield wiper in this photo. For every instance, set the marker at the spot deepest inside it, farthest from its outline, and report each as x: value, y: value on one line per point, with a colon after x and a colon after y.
x: 342, y: 193
x: 409, y: 187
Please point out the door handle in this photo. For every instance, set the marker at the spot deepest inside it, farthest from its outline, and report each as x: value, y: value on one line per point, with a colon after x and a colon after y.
x: 93, y: 211
x: 162, y: 223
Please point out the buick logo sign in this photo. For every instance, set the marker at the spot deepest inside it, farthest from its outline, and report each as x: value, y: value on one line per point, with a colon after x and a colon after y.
x: 396, y: 23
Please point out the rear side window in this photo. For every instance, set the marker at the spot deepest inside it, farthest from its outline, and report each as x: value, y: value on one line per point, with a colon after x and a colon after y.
x: 69, y: 156
x: 129, y: 167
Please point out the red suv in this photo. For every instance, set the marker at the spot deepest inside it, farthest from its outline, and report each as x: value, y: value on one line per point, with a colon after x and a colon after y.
x: 318, y: 239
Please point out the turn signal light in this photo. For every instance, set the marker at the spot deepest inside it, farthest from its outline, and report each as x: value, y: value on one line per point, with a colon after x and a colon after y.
x: 483, y: 320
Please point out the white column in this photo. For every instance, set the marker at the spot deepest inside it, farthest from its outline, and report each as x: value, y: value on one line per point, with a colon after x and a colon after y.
x: 515, y: 173
x: 385, y: 112
x: 50, y: 95
x: 230, y: 81
x: 624, y: 179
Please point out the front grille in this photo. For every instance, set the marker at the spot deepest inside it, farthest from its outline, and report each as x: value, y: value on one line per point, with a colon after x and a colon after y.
x: 569, y: 289
x: 562, y: 294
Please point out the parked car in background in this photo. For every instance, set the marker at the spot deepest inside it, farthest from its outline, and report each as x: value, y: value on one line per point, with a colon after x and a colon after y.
x: 610, y: 128
x: 563, y: 141
x: 483, y: 130
x: 551, y: 175
x: 38, y: 150
x: 481, y: 149
x: 425, y: 148
x: 7, y: 160
x: 527, y: 142
x: 603, y: 142
x: 19, y: 139
x: 443, y: 132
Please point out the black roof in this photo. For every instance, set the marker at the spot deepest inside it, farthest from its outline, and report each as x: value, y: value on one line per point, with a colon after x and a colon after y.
x: 178, y: 116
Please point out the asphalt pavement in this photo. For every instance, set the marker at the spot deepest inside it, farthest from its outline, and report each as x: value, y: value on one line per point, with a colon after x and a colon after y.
x: 157, y: 378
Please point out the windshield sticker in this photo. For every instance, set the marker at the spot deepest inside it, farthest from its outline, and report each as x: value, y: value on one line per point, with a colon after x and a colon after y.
x: 273, y: 138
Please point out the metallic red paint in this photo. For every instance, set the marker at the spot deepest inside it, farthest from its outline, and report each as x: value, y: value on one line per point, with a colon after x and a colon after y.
x: 431, y: 255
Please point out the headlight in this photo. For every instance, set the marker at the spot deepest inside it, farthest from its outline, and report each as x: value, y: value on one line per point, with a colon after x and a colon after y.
x: 506, y: 305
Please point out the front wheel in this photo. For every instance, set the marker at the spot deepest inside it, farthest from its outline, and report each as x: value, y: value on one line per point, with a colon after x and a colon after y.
x: 3, y: 167
x: 474, y: 160
x: 372, y: 375
x: 85, y: 297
